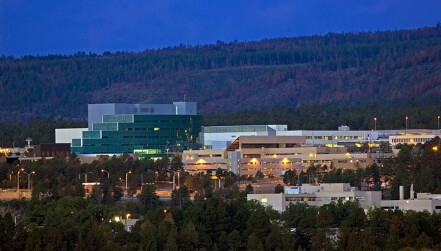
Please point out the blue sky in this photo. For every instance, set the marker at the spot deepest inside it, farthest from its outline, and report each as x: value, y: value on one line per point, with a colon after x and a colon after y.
x: 29, y: 27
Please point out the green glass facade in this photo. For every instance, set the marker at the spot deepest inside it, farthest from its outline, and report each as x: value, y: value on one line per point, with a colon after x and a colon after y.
x: 145, y: 135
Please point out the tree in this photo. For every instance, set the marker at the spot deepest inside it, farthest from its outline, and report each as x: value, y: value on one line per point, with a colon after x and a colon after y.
x: 259, y: 175
x: 249, y: 189
x: 7, y: 232
x: 188, y: 237
x: 171, y: 244
x: 193, y: 182
x: 148, y: 196
x: 278, y: 189
x: 234, y: 240
x: 148, y: 236
x: 259, y: 224
x: 176, y: 164
x: 180, y: 196
x: 254, y: 243
x: 274, y: 240
x: 290, y: 177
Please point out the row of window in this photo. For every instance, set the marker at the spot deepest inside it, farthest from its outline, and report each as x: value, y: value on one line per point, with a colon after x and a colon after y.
x: 411, y: 141
x: 148, y: 137
x: 335, y: 137
x: 119, y: 145
x: 161, y: 121
x: 318, y: 198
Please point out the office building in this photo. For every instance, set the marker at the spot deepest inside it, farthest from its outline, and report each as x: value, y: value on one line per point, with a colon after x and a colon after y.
x: 220, y: 137
x: 66, y: 135
x: 413, y: 138
x: 325, y: 193
x: 147, y: 130
x: 273, y: 156
x: 318, y: 195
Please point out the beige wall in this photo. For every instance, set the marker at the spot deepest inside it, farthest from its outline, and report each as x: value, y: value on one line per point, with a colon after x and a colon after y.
x: 274, y: 161
x: 274, y: 200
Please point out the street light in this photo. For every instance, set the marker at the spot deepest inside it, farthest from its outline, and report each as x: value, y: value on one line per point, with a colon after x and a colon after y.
x: 18, y: 179
x: 127, y: 191
x: 29, y: 179
x: 438, y: 123
x: 407, y: 118
x: 375, y: 124
x: 104, y: 171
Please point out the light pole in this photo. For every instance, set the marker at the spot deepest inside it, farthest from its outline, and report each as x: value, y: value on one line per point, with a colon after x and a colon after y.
x: 127, y: 191
x: 18, y: 179
x: 29, y: 179
x: 104, y: 171
x: 167, y: 151
x: 407, y: 118
x: 375, y: 124
x: 438, y: 122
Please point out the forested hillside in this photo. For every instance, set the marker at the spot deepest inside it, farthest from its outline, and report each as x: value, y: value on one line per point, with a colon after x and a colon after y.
x: 351, y: 68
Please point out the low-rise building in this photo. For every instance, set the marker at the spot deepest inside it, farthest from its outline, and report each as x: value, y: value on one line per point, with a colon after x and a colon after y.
x: 413, y: 138
x: 273, y: 155
x: 318, y: 195
x: 321, y: 194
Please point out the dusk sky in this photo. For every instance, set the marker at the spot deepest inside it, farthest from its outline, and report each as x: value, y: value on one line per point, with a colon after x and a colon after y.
x: 65, y: 27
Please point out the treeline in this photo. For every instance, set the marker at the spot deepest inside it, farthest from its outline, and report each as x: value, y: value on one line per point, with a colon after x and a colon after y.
x: 77, y: 224
x: 39, y: 130
x: 422, y: 114
x: 229, y: 76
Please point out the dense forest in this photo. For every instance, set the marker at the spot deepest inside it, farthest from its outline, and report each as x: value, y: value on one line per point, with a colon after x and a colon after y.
x: 349, y: 68
x: 58, y: 218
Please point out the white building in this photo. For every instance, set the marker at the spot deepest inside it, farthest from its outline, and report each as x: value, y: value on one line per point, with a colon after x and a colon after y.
x: 333, y: 138
x: 413, y: 138
x: 318, y: 195
x: 220, y: 137
x: 321, y: 194
x: 67, y: 134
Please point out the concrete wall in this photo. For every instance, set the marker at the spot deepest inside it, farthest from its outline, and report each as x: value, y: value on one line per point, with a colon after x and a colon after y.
x: 276, y: 200
x: 66, y: 135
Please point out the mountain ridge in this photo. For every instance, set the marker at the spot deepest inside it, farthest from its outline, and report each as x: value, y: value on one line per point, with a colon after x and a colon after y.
x: 228, y: 77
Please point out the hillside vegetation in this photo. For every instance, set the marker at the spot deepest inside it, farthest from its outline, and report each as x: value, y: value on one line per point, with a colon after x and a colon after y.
x: 351, y: 68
